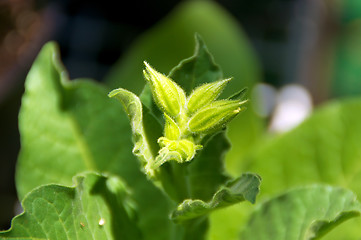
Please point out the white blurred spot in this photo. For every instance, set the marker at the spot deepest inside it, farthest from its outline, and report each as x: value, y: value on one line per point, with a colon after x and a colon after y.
x: 264, y: 99
x: 293, y: 105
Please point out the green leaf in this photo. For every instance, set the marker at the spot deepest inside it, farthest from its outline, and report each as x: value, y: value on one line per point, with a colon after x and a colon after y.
x: 196, y: 229
x: 323, y: 149
x: 65, y: 125
x: 68, y: 127
x: 346, y: 62
x: 305, y: 213
x: 349, y: 11
x: 97, y: 207
x: 144, y: 142
x: 244, y: 188
x: 206, y: 173
x: 196, y: 70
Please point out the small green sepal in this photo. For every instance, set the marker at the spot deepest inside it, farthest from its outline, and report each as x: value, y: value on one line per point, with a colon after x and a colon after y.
x: 177, y: 150
x: 240, y: 95
x: 186, y: 148
x: 171, y: 129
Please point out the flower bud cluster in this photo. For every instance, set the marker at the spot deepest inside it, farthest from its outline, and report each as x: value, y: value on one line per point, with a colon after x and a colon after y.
x: 188, y: 119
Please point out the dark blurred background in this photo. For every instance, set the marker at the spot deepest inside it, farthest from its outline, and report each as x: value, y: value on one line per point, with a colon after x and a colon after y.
x: 290, y: 37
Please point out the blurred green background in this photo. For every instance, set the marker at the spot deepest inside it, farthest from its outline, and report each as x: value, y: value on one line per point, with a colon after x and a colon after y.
x: 292, y: 54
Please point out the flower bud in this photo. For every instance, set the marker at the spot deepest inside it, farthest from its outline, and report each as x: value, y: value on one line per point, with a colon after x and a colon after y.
x: 169, y: 97
x: 214, y: 116
x: 204, y: 95
x: 188, y: 149
x: 184, y: 149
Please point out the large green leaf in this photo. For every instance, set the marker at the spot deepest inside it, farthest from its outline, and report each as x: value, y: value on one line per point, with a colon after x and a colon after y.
x: 69, y: 127
x: 305, y: 213
x: 97, y: 207
x: 325, y: 148
x: 244, y: 188
x: 66, y: 125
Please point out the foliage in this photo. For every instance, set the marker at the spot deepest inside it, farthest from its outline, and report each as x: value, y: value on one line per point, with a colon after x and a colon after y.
x: 78, y: 115
x: 150, y: 164
x: 305, y: 213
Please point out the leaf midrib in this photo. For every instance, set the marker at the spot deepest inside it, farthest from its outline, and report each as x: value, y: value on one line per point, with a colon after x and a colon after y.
x: 82, y: 144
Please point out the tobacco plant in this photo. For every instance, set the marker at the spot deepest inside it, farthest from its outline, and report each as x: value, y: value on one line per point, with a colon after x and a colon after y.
x: 84, y: 172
